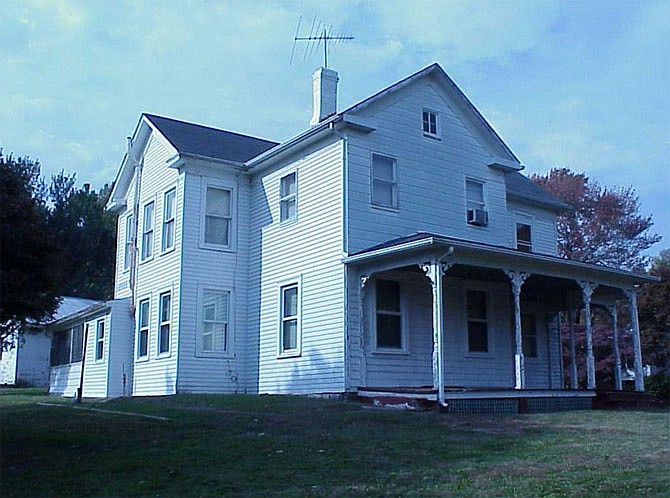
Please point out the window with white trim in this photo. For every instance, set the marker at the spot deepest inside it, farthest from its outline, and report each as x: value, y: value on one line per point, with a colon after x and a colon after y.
x: 289, y: 333
x: 77, y: 343
x: 524, y: 241
x: 148, y: 231
x: 477, y: 317
x: 143, y: 329
x: 476, y: 213
x: 99, y: 339
x: 218, y: 216
x: 167, y: 232
x: 388, y: 316
x: 529, y: 335
x: 215, y: 321
x: 384, y: 181
x: 164, y: 314
x: 288, y: 197
x: 429, y: 122
x: 127, y: 255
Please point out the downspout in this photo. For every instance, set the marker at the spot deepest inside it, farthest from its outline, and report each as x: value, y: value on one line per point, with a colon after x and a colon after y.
x: 440, y: 269
x: 345, y: 249
x: 138, y: 165
x: 80, y: 389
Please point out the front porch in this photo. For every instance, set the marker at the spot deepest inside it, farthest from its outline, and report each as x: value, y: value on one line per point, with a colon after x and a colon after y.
x: 435, y: 312
x: 462, y: 400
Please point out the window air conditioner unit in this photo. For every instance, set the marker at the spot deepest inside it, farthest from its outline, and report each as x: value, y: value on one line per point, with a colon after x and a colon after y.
x: 478, y: 217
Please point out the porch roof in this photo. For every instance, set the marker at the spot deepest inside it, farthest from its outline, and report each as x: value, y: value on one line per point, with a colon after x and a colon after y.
x: 493, y: 256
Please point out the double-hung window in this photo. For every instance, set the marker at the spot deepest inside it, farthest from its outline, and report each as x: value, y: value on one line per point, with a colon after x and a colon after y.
x: 477, y: 317
x: 475, y: 205
x: 384, y: 181
x: 215, y: 313
x: 528, y: 335
x: 524, y: 242
x: 167, y: 236
x: 128, y: 252
x: 388, y: 316
x: 148, y: 231
x: 288, y: 205
x: 429, y: 121
x: 218, y: 217
x: 143, y: 329
x: 99, y: 339
x: 164, y: 313
x: 289, y: 340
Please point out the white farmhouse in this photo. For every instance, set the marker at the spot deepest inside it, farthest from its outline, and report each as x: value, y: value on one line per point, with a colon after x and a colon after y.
x: 392, y: 247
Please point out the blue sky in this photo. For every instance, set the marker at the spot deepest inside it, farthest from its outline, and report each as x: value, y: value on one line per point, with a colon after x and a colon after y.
x: 578, y: 84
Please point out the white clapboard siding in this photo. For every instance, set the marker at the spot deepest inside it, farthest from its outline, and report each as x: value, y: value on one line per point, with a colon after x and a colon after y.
x: 96, y: 370
x: 474, y: 370
x: 431, y: 174
x: 158, y: 375
x: 204, y: 268
x: 121, y: 341
x: 122, y: 287
x: 543, y: 226
x: 309, y: 250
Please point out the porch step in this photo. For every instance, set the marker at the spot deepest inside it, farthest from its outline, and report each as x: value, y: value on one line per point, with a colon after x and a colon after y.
x: 611, y: 400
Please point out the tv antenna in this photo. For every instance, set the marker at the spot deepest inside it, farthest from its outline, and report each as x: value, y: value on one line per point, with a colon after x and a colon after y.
x: 318, y: 33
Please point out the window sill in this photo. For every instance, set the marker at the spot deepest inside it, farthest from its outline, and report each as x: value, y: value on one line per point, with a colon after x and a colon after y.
x: 163, y: 356
x: 477, y: 227
x: 388, y: 209
x: 147, y: 260
x: 481, y: 356
x: 209, y: 247
x: 432, y: 136
x: 215, y: 355
x: 168, y: 251
x: 289, y: 354
x: 142, y: 359
x: 402, y: 352
x: 289, y: 222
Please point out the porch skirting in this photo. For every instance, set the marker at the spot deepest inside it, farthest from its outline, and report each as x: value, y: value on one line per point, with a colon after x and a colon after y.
x: 482, y: 400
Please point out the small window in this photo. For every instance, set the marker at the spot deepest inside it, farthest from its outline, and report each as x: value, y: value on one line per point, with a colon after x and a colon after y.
x: 130, y: 236
x: 523, y: 237
x: 290, y: 322
x: 388, y: 315
x: 99, y: 340
x: 215, y: 312
x: 430, y: 123
x: 77, y: 343
x: 384, y: 181
x: 476, y: 213
x: 148, y: 231
x: 529, y: 335
x: 167, y: 240
x: 164, y: 325
x: 143, y: 329
x: 218, y: 216
x: 478, y: 335
x: 288, y: 207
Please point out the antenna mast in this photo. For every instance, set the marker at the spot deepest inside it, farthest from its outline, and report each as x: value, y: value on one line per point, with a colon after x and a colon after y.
x: 318, y: 33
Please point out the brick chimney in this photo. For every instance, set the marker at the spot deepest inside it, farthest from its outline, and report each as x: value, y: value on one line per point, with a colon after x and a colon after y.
x: 324, y: 85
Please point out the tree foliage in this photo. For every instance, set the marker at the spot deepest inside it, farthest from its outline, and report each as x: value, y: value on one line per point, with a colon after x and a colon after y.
x: 28, y: 251
x: 654, y: 314
x: 602, y: 225
x: 57, y: 240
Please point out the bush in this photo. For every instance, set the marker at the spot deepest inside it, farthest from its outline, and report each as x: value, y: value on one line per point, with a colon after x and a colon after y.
x: 659, y: 385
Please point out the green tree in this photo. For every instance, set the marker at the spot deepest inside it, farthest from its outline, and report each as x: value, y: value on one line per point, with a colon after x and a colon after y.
x: 602, y: 225
x: 28, y: 252
x: 654, y: 314
x: 86, y: 238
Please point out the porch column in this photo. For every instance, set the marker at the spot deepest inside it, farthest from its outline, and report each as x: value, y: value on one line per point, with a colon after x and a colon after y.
x: 361, y: 326
x: 615, y: 348
x: 631, y: 294
x: 435, y: 271
x: 587, y: 292
x: 517, y: 278
x: 574, y: 381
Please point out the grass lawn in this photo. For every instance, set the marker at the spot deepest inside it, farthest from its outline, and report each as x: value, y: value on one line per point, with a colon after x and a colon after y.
x: 208, y: 445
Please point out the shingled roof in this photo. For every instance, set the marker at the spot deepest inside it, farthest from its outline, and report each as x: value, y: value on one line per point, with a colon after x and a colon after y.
x: 520, y: 187
x: 198, y: 140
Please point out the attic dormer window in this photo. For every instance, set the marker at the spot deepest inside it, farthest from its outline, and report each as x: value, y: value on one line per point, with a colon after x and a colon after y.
x: 429, y: 120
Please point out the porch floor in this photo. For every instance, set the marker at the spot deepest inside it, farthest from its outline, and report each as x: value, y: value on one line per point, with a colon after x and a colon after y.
x: 480, y: 400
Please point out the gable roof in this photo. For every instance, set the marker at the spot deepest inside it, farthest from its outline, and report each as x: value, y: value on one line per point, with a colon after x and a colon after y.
x: 203, y: 141
x: 522, y: 188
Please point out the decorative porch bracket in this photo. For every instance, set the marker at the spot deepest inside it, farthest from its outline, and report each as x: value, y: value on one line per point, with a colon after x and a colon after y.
x: 587, y: 292
x: 631, y: 294
x: 518, y: 278
x: 435, y: 270
x: 618, y: 385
